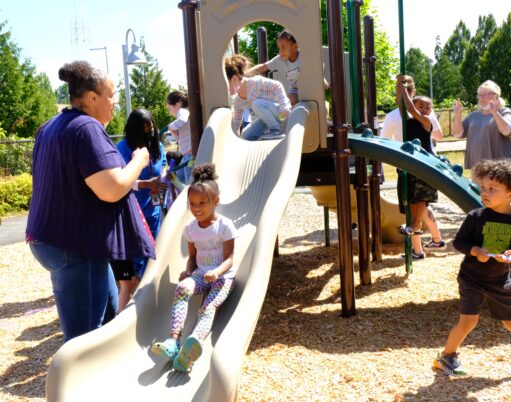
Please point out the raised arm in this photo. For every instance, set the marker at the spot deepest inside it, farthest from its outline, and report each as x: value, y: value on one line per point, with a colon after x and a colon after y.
x: 111, y: 185
x: 256, y: 70
x: 503, y: 123
x: 410, y: 107
x: 457, y: 125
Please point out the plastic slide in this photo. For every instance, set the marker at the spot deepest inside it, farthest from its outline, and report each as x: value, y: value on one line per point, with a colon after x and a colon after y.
x: 113, y: 363
x: 413, y: 158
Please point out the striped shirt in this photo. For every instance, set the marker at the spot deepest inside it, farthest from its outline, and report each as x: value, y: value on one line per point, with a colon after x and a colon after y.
x: 181, y: 131
x: 259, y: 87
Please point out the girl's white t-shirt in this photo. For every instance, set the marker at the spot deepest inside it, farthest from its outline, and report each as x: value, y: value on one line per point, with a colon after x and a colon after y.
x: 209, y: 243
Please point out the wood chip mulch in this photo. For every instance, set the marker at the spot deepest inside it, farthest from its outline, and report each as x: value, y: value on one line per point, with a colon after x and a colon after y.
x: 302, y: 349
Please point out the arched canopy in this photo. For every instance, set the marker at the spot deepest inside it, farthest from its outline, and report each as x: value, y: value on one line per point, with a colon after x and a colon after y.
x: 219, y: 20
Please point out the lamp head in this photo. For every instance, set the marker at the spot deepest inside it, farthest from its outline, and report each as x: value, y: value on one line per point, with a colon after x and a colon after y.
x: 136, y: 56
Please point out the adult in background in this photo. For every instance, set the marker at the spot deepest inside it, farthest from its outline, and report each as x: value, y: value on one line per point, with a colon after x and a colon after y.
x: 487, y: 129
x: 141, y: 132
x: 83, y: 213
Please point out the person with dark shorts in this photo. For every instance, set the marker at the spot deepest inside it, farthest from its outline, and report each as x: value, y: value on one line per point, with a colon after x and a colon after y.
x: 421, y: 194
x: 127, y: 281
x: 485, y: 240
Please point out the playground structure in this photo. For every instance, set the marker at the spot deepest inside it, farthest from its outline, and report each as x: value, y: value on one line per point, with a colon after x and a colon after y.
x: 256, y: 181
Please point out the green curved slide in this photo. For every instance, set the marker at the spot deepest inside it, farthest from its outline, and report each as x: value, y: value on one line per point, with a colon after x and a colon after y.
x: 411, y: 157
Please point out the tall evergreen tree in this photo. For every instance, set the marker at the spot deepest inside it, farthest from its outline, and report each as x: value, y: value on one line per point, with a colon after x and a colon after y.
x: 447, y: 82
x: 496, y: 59
x: 26, y: 98
x: 457, y: 44
x: 470, y: 66
x: 417, y: 65
x: 62, y: 94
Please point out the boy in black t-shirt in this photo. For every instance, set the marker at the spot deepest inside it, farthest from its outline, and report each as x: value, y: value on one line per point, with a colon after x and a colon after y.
x: 485, y: 239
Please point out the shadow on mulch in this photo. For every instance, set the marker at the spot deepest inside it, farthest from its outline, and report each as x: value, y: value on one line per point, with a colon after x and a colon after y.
x: 35, y: 365
x: 8, y: 310
x: 292, y: 297
x: 461, y: 387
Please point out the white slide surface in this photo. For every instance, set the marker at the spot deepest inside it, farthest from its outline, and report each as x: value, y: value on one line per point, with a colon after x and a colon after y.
x: 113, y: 363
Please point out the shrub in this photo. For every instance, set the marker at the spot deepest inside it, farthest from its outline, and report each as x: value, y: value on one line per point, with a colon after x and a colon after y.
x: 15, y: 194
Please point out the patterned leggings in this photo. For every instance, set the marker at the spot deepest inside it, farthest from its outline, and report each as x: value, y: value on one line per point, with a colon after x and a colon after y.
x: 216, y: 291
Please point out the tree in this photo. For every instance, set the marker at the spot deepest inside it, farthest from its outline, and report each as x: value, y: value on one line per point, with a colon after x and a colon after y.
x: 27, y: 98
x: 248, y: 39
x: 149, y: 90
x: 469, y: 68
x: 417, y: 65
x: 447, y: 82
x: 457, y: 44
x: 496, y: 59
x: 62, y: 94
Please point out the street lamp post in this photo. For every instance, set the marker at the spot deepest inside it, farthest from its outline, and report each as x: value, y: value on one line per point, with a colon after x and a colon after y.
x: 135, y: 57
x: 431, y: 79
x: 106, y: 55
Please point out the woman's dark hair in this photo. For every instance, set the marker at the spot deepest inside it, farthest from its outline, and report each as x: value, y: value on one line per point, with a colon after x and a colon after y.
x: 81, y: 77
x: 204, y: 180
x: 236, y: 65
x: 178, y: 96
x: 139, y: 134
x: 285, y: 34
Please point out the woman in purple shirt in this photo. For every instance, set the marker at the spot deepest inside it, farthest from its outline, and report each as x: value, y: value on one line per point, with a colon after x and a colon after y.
x: 83, y: 212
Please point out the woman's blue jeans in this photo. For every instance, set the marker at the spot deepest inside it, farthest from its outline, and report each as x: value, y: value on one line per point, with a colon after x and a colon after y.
x: 84, y: 288
x: 267, y: 113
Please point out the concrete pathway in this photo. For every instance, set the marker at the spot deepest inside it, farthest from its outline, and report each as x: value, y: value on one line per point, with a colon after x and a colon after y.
x: 448, y: 146
x: 12, y: 230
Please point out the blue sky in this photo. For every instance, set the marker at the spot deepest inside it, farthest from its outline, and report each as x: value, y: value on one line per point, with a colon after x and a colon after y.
x: 53, y: 32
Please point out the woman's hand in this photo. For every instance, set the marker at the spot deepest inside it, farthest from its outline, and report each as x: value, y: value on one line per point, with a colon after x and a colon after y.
x: 494, y: 107
x: 458, y: 107
x: 154, y: 184
x: 211, y: 276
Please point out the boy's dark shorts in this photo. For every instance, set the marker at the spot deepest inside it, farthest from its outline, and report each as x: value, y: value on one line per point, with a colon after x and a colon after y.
x: 123, y: 269
x: 498, y: 299
x: 417, y: 189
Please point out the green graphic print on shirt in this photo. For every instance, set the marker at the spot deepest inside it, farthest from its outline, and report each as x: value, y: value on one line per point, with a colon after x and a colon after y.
x: 497, y: 237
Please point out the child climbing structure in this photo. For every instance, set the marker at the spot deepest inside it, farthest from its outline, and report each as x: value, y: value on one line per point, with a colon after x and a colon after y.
x: 256, y: 180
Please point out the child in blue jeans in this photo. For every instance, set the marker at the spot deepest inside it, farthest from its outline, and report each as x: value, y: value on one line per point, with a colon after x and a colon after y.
x: 209, y: 269
x: 265, y: 97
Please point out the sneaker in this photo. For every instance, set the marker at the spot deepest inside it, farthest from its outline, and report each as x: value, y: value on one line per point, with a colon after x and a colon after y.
x: 450, y: 364
x: 273, y: 134
x: 189, y: 353
x: 168, y: 348
x: 408, y: 230
x: 418, y: 256
x: 436, y: 245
